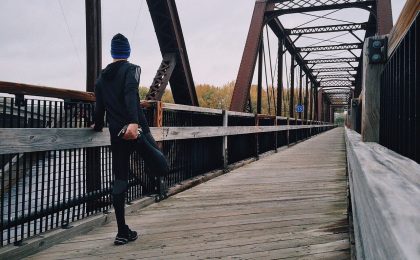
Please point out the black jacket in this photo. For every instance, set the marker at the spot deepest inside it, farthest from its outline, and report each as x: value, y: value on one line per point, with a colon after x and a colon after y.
x: 117, y: 93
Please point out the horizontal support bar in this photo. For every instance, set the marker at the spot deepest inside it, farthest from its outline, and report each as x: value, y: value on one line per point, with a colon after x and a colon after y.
x: 178, y: 107
x: 41, y: 91
x: 328, y: 28
x: 334, y: 69
x: 285, y: 8
x: 24, y: 140
x: 351, y: 46
x: 340, y: 76
x: 334, y: 83
x: 336, y: 60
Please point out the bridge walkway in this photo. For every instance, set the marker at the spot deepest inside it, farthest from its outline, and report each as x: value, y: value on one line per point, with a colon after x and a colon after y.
x: 291, y: 204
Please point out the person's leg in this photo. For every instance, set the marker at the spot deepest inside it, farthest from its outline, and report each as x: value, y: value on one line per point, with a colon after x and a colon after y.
x: 155, y: 162
x: 120, y: 167
x: 120, y: 163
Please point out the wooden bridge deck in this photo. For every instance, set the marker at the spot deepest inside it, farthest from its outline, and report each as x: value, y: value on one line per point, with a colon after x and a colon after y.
x: 288, y: 205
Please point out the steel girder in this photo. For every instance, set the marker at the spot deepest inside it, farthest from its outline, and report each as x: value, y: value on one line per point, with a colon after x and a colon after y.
x: 243, y: 82
x: 93, y: 43
x: 335, y: 60
x: 338, y: 93
x: 344, y: 88
x: 171, y: 41
x: 294, y: 4
x: 332, y: 76
x: 337, y: 83
x: 329, y: 28
x: 300, y: 6
x: 267, y: 12
x: 279, y: 31
x: 334, y: 69
x: 339, y: 47
x: 157, y: 89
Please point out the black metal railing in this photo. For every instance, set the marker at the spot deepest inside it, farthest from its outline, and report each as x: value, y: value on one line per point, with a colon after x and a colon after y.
x: 44, y: 190
x: 400, y: 97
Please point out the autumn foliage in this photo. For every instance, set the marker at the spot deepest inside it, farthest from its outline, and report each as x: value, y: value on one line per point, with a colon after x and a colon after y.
x: 220, y: 96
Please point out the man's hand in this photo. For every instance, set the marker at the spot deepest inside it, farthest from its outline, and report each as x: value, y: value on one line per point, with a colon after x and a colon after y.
x: 95, y: 129
x: 132, y: 132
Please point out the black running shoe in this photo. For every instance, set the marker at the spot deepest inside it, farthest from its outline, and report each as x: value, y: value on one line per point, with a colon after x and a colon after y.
x: 124, y: 238
x: 162, y: 190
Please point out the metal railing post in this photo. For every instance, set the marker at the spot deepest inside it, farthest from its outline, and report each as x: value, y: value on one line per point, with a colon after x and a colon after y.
x: 225, y: 155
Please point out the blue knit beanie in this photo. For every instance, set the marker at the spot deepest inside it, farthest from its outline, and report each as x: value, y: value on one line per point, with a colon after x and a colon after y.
x: 120, y: 47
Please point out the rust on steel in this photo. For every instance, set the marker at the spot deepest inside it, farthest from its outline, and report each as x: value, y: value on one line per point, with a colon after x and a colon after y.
x: 384, y: 16
x: 161, y: 80
x: 249, y: 57
x: 169, y: 34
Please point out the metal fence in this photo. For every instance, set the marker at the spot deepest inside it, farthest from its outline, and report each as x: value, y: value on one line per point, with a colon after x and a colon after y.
x: 400, y: 97
x: 43, y: 190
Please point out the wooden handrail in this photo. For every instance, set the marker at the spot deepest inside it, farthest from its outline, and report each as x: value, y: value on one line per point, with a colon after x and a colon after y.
x: 406, y: 18
x: 33, y: 90
x: 24, y: 140
x: 384, y: 189
x: 66, y: 94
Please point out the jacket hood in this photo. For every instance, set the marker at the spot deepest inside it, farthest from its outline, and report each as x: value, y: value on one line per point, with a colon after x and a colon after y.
x: 112, y: 69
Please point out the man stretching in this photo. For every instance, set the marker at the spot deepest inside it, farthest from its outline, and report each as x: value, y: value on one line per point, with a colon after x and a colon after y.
x: 116, y: 92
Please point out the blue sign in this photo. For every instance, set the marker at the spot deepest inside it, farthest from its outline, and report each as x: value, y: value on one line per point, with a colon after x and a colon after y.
x: 299, y: 108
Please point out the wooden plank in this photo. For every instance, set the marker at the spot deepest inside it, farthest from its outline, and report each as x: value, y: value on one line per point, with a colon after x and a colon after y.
x: 385, y: 188
x: 33, y: 90
x: 407, y: 16
x: 21, y: 140
x: 291, y: 204
x: 371, y: 88
x: 178, y: 107
x: 241, y: 114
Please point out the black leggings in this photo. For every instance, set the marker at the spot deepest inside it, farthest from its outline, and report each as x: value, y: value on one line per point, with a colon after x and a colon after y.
x: 121, y: 149
x: 147, y: 148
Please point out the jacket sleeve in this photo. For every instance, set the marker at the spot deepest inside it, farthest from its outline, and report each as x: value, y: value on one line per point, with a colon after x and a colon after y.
x: 99, y: 109
x: 131, y: 94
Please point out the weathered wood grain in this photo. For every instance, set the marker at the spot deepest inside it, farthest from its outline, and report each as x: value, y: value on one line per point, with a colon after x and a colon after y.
x: 20, y: 140
x: 291, y: 204
x: 371, y: 88
x: 407, y: 16
x: 385, y: 192
x: 179, y: 107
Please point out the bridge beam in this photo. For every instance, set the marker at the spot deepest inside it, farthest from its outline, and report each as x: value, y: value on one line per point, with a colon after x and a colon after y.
x: 93, y: 69
x: 93, y: 43
x: 171, y: 41
x: 329, y: 28
x: 384, y: 16
x: 292, y: 87
x: 280, y: 77
x: 367, y: 4
x: 246, y: 70
x: 338, y: 47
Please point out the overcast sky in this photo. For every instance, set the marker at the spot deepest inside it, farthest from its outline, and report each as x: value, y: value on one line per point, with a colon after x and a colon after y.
x: 43, y: 41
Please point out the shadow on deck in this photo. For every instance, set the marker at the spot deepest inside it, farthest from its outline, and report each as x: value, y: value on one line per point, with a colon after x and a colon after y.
x: 292, y: 204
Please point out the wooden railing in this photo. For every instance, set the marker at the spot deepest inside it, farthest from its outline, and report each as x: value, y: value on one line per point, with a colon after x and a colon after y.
x: 20, y: 90
x: 26, y: 140
x: 55, y: 169
x: 400, y: 29
x: 385, y: 192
